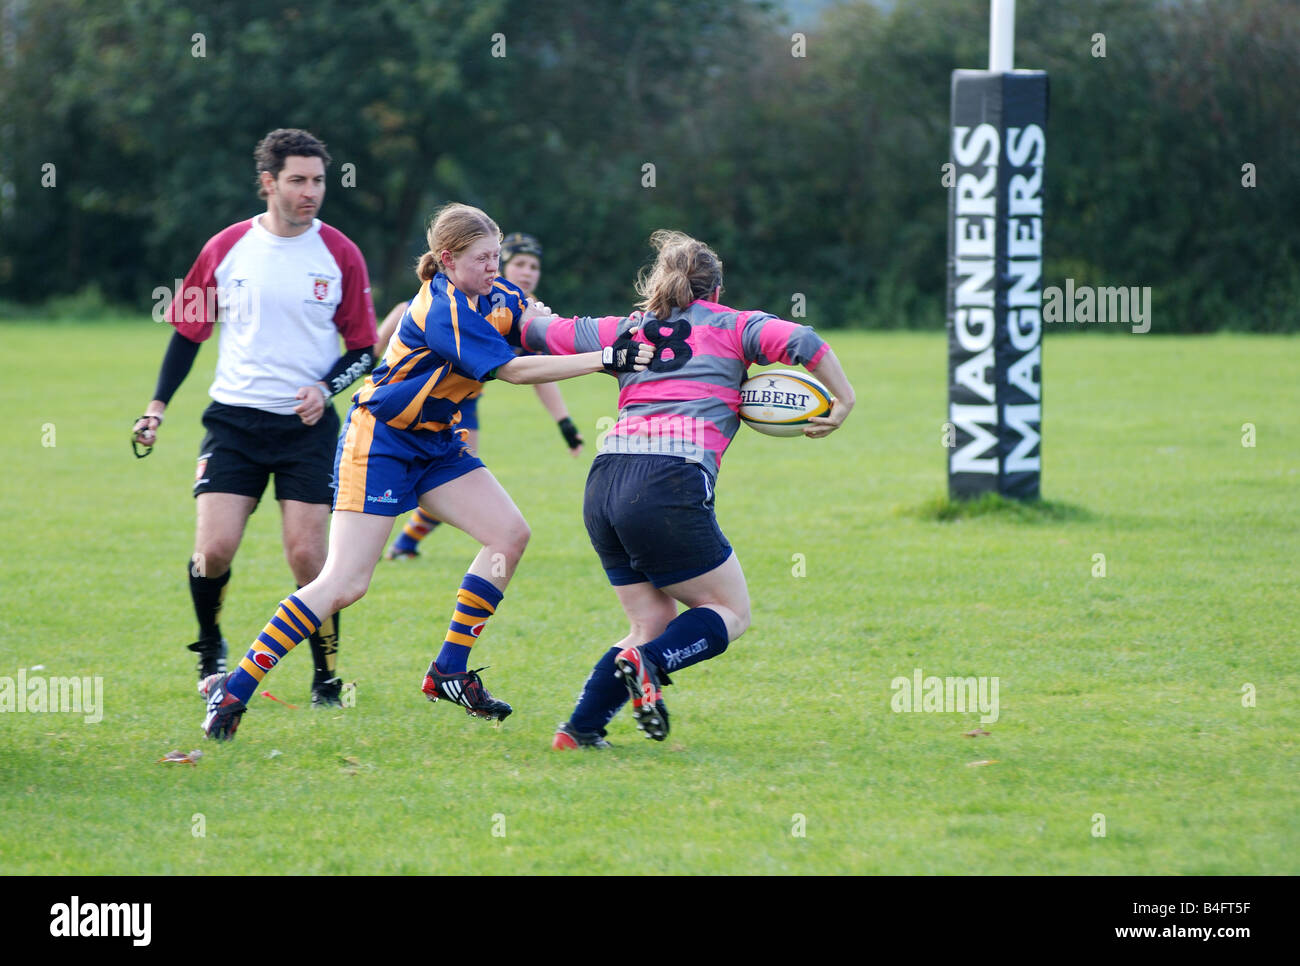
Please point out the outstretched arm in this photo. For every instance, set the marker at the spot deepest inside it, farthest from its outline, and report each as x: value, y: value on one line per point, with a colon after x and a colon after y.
x: 625, y: 355
x: 530, y: 370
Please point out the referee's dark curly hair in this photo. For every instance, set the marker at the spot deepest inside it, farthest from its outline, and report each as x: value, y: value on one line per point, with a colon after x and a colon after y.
x: 281, y: 143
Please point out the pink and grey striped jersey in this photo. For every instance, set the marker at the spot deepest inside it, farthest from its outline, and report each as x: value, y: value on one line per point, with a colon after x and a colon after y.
x: 688, y: 402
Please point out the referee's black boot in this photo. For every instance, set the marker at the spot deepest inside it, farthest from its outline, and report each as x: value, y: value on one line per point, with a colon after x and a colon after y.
x: 326, y: 692
x: 212, y: 656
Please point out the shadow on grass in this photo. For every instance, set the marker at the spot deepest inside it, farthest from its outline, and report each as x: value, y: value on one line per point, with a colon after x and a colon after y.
x: 942, y: 509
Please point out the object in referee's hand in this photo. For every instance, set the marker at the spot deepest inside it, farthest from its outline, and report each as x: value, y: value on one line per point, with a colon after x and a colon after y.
x: 141, y: 450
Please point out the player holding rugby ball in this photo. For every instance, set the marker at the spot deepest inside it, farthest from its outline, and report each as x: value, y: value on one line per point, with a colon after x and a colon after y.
x: 649, y: 499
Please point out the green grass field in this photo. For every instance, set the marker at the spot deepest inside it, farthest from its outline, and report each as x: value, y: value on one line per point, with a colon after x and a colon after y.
x: 1121, y: 696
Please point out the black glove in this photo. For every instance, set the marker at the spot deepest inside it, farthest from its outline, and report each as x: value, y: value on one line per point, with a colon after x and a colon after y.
x: 572, y: 438
x: 621, y: 356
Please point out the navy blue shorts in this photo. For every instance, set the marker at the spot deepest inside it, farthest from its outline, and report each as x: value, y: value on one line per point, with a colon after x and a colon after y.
x: 650, y: 518
x: 384, y: 471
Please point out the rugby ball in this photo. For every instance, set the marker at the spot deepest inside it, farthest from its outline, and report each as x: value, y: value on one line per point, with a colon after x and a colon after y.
x: 780, y: 402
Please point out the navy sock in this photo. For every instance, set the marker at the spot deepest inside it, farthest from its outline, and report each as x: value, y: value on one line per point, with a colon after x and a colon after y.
x: 691, y: 637
x: 602, y: 696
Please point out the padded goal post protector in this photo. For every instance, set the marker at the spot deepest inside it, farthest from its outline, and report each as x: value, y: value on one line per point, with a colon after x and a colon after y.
x: 995, y: 269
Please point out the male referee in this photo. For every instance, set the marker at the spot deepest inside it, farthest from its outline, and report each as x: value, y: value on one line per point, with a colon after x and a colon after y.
x: 285, y: 287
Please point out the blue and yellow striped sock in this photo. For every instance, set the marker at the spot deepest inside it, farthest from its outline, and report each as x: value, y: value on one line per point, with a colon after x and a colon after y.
x: 419, y: 526
x: 292, y: 624
x: 476, y: 601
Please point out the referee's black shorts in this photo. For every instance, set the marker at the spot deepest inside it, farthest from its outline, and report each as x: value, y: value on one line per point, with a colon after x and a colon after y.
x: 244, y: 447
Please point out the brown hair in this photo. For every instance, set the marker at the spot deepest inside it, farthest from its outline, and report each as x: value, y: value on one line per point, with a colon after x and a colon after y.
x: 684, y: 270
x: 453, y: 228
x: 282, y: 143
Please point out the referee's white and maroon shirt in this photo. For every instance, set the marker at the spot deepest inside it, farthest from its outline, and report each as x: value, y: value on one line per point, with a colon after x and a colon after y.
x: 282, y: 303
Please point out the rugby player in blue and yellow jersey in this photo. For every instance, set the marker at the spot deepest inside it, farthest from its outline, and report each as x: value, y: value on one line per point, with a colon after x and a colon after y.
x: 521, y: 265
x: 401, y: 447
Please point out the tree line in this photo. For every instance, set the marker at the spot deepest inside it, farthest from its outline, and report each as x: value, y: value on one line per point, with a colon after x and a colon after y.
x: 806, y: 148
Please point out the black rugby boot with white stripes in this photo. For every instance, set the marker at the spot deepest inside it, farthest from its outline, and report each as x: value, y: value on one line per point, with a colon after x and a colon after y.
x: 466, y: 689
x: 326, y: 692
x: 224, y: 709
x: 212, y: 656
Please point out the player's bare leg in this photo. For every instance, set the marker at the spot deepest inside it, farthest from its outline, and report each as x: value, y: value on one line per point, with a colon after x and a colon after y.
x: 305, y: 531
x: 648, y: 611
x: 477, y: 504
x: 221, y: 519
x: 356, y: 541
x: 722, y: 589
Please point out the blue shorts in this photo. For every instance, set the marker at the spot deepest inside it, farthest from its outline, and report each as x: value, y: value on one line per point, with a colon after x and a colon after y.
x: 650, y: 518
x: 381, y: 470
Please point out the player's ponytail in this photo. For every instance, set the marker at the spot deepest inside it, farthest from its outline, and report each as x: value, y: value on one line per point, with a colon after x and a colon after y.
x: 453, y: 228
x: 428, y: 267
x: 684, y: 270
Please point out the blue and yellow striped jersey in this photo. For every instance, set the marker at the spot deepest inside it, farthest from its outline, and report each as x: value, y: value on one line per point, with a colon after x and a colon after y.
x: 443, y: 350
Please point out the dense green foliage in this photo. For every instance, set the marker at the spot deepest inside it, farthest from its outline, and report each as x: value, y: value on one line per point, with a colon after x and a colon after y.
x: 816, y: 174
